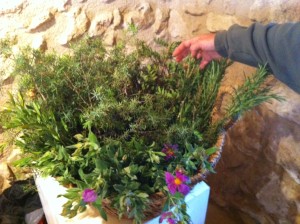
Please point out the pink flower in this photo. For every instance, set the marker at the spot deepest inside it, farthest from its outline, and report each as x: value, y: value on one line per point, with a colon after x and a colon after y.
x: 171, y: 221
x: 89, y: 195
x: 170, y: 150
x: 168, y: 216
x: 177, y: 183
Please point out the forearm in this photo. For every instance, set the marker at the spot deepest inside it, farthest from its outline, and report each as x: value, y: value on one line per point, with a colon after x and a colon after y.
x: 275, y: 45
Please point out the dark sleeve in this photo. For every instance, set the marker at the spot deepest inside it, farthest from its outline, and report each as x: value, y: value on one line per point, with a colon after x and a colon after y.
x: 277, y: 45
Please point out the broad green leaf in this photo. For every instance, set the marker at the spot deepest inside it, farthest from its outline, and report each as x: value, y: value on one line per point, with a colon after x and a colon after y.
x: 92, y: 138
x: 143, y: 195
x: 101, y: 164
x: 98, y: 205
x: 209, y: 167
x: 211, y: 151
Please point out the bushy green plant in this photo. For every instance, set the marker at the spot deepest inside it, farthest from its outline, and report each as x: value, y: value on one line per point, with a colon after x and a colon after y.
x: 114, y: 121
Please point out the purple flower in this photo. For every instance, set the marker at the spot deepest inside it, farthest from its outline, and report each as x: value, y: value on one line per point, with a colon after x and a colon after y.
x: 89, y: 195
x: 168, y: 216
x: 169, y: 150
x: 171, y: 221
x: 177, y: 183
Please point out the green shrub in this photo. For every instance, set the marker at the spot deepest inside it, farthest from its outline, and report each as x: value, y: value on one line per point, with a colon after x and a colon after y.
x: 99, y: 118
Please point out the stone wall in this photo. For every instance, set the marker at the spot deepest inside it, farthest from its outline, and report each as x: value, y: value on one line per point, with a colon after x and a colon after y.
x: 259, y: 174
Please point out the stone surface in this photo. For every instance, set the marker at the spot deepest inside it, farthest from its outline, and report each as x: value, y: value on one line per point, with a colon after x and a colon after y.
x: 256, y: 156
x: 4, y: 177
x: 194, y: 8
x: 274, y: 10
x: 76, y: 24
x: 161, y: 20
x: 100, y: 23
x: 177, y: 25
x: 39, y: 42
x: 142, y: 16
x: 39, y: 20
x: 229, y: 7
x: 106, y: 1
x: 117, y: 18
x: 109, y: 38
x: 216, y: 22
x: 11, y: 6
x: 218, y: 215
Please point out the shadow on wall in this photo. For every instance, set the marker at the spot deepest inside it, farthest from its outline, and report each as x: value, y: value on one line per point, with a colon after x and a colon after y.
x: 251, y: 179
x: 17, y: 201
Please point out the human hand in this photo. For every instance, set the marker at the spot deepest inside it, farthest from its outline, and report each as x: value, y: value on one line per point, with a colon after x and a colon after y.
x: 199, y: 47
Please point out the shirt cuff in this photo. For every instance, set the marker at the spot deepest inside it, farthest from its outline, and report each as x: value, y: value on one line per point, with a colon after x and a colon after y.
x: 220, y: 43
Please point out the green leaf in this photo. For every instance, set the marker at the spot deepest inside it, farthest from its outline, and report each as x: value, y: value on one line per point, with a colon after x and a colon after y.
x: 62, y: 153
x: 178, y: 195
x: 101, y: 164
x: 119, y: 188
x: 82, y: 175
x: 69, y: 195
x: 189, y: 147
x: 79, y: 137
x: 167, y: 205
x: 211, y: 151
x: 143, y: 195
x: 199, y: 135
x: 98, y: 204
x: 209, y: 167
x: 92, y: 138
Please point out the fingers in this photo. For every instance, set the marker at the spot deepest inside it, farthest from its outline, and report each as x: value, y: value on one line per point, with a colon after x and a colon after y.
x: 182, y: 55
x: 195, y: 53
x: 203, y: 64
x: 201, y: 47
x: 181, y: 48
x: 199, y: 55
x: 182, y: 51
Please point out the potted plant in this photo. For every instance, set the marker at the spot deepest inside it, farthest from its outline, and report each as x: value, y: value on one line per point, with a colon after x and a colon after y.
x: 121, y: 127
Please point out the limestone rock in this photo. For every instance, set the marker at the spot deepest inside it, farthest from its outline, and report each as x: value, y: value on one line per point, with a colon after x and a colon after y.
x: 286, y: 148
x: 255, y: 157
x: 255, y: 10
x: 268, y: 196
x: 217, y: 22
x: 37, y: 17
x: 7, y: 66
x: 100, y: 23
x: 161, y: 20
x: 39, y: 20
x: 208, y: 1
x: 39, y: 42
x: 106, y: 1
x: 79, y: 1
x: 81, y: 23
x: 274, y: 10
x: 9, y: 6
x: 5, y: 176
x: 142, y: 16
x: 194, y: 9
x: 291, y: 190
x: 229, y: 6
x: 289, y: 107
x: 76, y: 24
x: 14, y: 155
x: 177, y: 25
x: 36, y: 7
x: 117, y: 18
x: 109, y: 37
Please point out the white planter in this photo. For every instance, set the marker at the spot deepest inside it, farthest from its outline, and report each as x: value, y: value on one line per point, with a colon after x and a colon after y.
x: 49, y: 188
